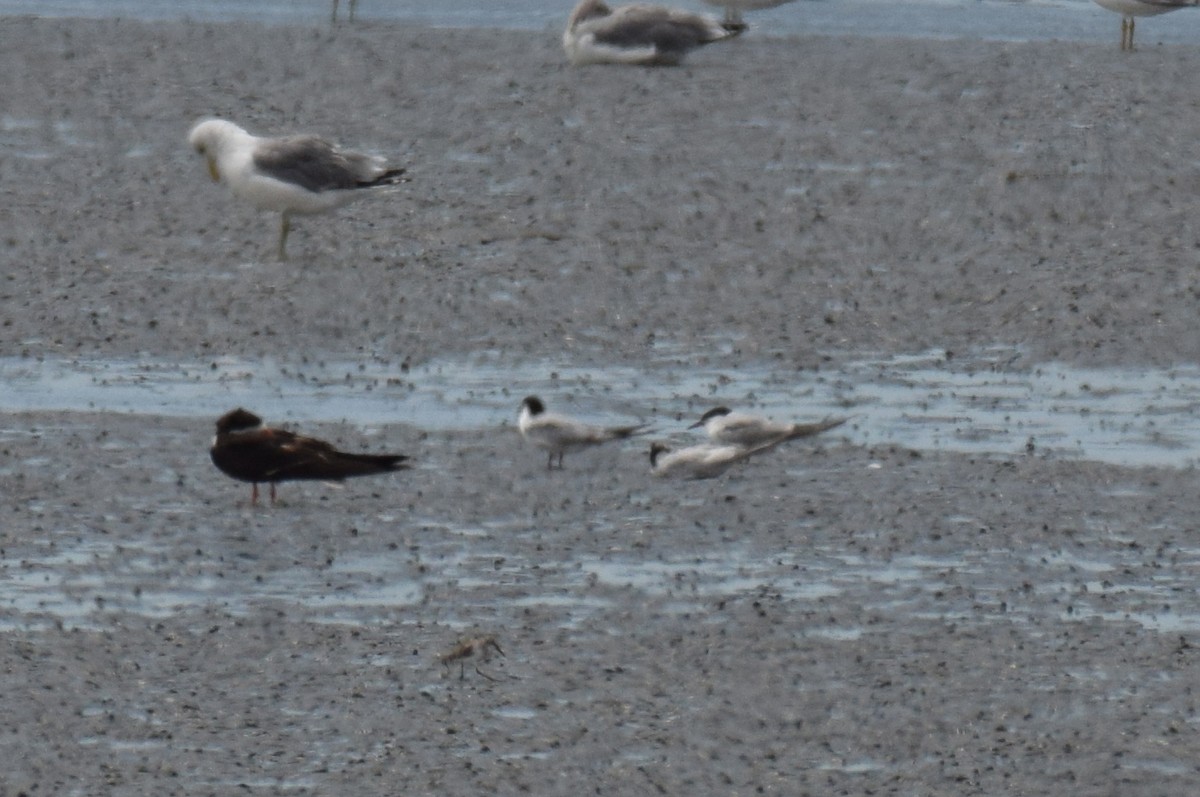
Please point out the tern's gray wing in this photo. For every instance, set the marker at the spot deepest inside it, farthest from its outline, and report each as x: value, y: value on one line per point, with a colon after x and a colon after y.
x: 747, y: 430
x: 556, y: 431
x: 748, y: 426
x: 313, y: 164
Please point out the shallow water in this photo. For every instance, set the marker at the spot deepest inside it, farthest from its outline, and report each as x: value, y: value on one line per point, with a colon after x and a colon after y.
x: 970, y: 404
x: 921, y: 402
x: 80, y: 580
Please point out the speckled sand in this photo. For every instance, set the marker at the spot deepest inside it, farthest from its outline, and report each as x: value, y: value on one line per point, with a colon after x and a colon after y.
x: 908, y: 623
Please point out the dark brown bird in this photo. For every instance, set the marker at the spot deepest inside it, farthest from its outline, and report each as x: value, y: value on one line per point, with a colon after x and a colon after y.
x: 247, y: 450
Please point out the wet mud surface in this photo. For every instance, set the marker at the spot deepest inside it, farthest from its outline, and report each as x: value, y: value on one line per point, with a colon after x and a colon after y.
x: 896, y: 195
x: 842, y: 616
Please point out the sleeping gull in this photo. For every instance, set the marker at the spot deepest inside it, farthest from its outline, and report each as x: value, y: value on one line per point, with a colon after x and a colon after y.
x: 296, y: 174
x: 637, y: 34
x: 734, y: 9
x: 1128, y: 9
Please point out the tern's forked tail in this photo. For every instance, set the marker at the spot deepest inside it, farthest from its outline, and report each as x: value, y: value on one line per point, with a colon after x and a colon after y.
x: 810, y: 429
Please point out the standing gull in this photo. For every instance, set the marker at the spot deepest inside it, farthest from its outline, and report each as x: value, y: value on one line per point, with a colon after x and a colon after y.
x: 296, y: 174
x: 637, y: 34
x: 246, y: 450
x: 734, y: 9
x: 727, y: 427
x: 1129, y: 9
x: 558, y: 434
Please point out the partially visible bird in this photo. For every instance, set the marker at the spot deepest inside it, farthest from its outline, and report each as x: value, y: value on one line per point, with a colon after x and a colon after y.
x: 705, y: 461
x: 558, y: 434
x: 734, y: 9
x: 297, y: 174
x: 352, y: 4
x: 727, y: 427
x: 246, y: 450
x: 637, y: 34
x: 1130, y: 9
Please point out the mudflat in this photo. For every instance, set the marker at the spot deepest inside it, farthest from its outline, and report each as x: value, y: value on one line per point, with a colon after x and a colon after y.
x: 834, y: 618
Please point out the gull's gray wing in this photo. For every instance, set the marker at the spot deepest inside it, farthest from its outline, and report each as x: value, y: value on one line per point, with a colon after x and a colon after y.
x: 314, y: 164
x: 666, y: 29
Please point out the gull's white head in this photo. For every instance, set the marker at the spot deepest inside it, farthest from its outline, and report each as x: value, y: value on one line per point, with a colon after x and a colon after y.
x: 209, y: 137
x: 587, y: 9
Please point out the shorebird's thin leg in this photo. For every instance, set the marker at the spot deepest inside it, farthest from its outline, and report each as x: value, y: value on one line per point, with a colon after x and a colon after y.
x: 253, y: 493
x: 284, y: 228
x: 272, y: 493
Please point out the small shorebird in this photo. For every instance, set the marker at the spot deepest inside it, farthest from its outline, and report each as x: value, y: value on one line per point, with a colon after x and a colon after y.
x: 734, y: 9
x: 296, y: 174
x: 1130, y: 9
x: 479, y: 648
x: 705, y: 461
x: 637, y: 34
x: 740, y: 429
x: 246, y: 450
x: 558, y: 434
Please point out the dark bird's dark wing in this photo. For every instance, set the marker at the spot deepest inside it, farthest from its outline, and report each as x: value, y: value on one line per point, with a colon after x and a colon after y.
x: 274, y: 455
x: 307, y: 458
x: 297, y: 457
